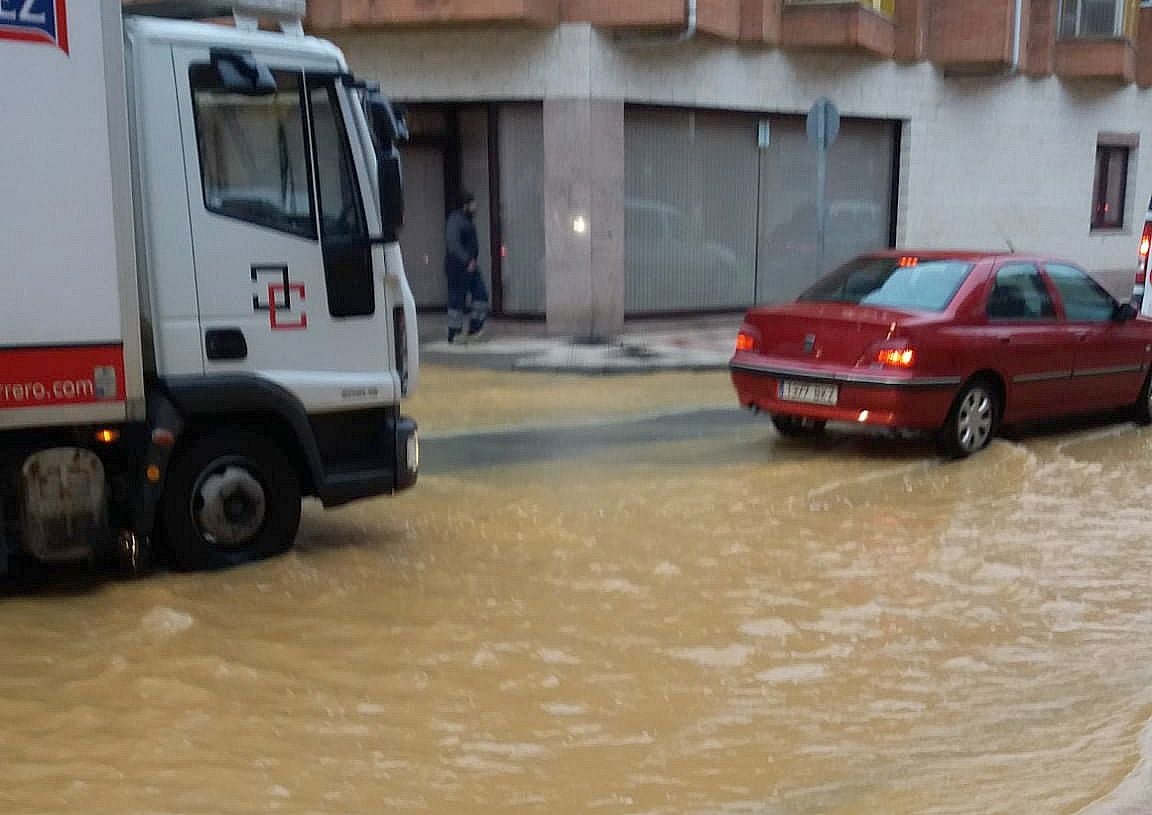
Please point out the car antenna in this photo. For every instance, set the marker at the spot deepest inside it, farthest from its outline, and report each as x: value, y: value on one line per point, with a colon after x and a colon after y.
x: 1007, y: 240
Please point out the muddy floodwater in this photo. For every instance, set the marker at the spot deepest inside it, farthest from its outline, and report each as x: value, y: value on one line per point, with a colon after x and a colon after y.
x: 643, y: 615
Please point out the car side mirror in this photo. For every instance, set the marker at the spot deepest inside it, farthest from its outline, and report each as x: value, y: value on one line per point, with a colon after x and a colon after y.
x: 1125, y: 312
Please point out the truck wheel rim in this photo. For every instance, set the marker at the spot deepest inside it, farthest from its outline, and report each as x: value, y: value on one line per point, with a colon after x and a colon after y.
x: 229, y: 505
x: 974, y: 420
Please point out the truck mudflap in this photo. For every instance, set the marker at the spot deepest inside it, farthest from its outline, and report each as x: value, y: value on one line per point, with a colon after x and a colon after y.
x: 165, y: 424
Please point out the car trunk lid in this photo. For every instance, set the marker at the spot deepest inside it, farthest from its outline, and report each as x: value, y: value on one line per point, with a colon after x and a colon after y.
x: 824, y: 333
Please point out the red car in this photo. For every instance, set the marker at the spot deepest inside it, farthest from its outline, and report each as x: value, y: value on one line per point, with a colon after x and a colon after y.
x: 950, y: 342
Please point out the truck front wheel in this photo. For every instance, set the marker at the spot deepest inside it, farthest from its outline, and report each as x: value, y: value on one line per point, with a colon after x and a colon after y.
x: 231, y: 498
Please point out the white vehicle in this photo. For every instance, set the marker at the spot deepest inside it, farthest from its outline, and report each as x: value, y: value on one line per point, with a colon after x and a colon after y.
x: 1140, y: 285
x: 203, y: 311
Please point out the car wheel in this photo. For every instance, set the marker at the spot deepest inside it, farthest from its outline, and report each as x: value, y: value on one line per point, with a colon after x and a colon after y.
x: 1144, y: 403
x: 231, y: 498
x: 797, y: 426
x: 972, y: 421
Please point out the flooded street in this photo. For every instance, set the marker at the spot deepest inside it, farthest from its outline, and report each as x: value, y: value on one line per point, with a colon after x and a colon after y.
x: 639, y: 614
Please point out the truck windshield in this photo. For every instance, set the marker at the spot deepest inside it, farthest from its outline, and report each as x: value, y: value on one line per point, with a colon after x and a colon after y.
x: 892, y: 282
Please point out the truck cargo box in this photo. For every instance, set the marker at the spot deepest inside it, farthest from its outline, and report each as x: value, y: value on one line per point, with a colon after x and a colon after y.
x: 69, y: 314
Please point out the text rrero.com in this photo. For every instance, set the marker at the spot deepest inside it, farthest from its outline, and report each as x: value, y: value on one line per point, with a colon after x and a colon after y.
x: 58, y: 390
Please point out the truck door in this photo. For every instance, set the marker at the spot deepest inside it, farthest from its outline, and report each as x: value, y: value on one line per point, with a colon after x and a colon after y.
x: 285, y: 278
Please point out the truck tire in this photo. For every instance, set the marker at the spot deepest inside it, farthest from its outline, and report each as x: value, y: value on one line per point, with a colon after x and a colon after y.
x: 231, y: 497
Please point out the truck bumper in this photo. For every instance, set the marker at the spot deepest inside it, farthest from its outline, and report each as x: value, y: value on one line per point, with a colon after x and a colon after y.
x: 346, y: 481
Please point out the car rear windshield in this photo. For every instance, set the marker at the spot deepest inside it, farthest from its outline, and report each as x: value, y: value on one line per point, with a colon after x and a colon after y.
x: 897, y: 282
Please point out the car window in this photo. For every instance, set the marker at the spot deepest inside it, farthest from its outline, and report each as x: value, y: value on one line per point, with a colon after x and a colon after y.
x: 1019, y: 293
x: 892, y: 282
x: 1085, y: 300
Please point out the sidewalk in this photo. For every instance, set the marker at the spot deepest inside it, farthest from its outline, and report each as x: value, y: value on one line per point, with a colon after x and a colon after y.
x: 688, y: 343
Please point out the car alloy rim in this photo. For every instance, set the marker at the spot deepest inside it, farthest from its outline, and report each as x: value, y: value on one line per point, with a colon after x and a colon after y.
x: 228, y: 504
x: 974, y: 419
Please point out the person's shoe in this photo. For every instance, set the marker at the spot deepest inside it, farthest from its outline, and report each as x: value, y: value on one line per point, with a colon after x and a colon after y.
x: 477, y: 334
x: 453, y: 335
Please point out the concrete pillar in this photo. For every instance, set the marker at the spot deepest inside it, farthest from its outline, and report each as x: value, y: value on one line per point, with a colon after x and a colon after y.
x: 584, y: 216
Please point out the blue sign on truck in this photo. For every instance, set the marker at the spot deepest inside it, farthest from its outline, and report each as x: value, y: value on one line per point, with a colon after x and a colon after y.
x: 37, y: 21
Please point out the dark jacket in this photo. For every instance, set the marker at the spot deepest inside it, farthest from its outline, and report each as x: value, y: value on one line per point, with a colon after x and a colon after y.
x: 461, y: 246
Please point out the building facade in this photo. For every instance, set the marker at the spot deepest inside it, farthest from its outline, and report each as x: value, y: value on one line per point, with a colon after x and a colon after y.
x: 641, y: 157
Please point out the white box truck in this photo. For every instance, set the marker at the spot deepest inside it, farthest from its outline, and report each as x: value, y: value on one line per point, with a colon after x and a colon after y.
x: 204, y: 316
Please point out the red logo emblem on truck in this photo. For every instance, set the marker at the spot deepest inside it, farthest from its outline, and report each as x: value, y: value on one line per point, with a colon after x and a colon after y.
x: 277, y: 298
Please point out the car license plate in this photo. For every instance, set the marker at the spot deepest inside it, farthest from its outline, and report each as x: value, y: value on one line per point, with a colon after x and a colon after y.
x: 809, y: 392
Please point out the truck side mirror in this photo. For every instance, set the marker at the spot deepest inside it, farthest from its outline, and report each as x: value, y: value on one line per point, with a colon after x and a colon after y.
x: 391, y: 193
x: 387, y: 120
x: 239, y: 72
x: 388, y: 130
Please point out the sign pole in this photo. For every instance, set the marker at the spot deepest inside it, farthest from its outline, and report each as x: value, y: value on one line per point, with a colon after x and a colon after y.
x: 821, y: 206
x: 823, y: 127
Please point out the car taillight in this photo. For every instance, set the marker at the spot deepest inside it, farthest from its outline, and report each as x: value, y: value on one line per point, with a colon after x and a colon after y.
x: 901, y: 357
x: 1138, y: 284
x: 1145, y: 247
x: 745, y: 341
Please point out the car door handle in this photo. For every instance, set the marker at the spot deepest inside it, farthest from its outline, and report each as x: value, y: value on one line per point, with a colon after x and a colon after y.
x: 225, y: 343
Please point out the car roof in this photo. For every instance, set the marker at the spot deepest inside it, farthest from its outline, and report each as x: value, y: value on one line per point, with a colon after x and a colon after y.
x: 961, y: 254
x: 936, y: 254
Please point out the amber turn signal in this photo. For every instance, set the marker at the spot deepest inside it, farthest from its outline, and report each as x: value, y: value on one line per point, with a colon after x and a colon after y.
x: 896, y: 357
x: 745, y: 342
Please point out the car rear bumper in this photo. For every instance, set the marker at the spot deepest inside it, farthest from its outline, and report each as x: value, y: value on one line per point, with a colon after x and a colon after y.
x: 862, y: 397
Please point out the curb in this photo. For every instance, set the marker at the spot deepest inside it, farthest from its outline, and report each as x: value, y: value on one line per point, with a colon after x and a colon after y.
x: 543, y: 356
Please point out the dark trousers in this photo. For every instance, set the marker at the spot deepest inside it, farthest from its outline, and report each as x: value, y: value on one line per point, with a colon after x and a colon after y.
x: 467, y: 294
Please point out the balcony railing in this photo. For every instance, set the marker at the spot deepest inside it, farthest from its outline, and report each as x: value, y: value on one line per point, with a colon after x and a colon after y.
x: 1099, y: 19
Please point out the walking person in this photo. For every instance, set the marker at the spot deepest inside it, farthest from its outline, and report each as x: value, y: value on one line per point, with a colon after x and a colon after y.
x: 466, y: 289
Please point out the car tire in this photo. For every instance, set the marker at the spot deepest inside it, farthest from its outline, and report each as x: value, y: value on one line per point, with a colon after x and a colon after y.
x: 231, y: 498
x: 797, y: 426
x: 972, y: 422
x: 1143, y: 410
